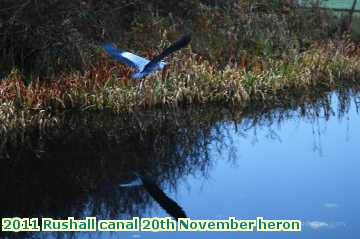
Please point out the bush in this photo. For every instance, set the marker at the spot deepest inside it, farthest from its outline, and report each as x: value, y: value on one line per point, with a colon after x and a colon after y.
x: 43, y: 38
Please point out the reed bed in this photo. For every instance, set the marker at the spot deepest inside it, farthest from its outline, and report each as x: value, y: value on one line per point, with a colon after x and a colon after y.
x: 190, y: 79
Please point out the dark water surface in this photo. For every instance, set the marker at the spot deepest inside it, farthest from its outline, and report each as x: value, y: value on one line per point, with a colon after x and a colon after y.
x: 296, y: 163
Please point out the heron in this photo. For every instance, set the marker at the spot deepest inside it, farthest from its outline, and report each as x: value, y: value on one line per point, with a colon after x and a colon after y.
x: 168, y: 204
x: 144, y: 67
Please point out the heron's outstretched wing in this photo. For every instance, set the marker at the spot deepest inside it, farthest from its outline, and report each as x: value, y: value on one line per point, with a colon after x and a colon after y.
x: 127, y: 58
x: 134, y: 183
x: 180, y: 43
x: 169, y: 205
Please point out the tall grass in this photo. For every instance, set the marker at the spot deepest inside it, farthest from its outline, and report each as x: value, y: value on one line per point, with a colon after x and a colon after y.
x: 243, y: 53
x: 189, y: 79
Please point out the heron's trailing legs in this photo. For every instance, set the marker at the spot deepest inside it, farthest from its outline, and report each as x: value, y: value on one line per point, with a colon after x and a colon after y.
x: 141, y: 85
x: 164, y: 73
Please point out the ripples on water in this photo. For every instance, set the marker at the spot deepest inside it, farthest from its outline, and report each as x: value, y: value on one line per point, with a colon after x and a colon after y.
x: 295, y: 162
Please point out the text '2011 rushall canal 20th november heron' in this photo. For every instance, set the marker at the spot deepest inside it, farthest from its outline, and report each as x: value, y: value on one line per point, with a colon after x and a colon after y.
x: 92, y: 224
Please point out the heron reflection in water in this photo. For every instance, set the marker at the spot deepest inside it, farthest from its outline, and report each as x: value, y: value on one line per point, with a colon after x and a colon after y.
x: 169, y: 205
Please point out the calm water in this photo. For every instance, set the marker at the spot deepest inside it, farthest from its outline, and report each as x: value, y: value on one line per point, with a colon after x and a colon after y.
x: 277, y: 165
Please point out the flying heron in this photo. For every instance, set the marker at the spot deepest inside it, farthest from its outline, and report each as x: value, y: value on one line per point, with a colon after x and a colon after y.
x: 144, y: 67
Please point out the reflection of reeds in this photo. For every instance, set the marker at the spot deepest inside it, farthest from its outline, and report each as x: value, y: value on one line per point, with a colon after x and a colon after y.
x: 83, y: 180
x: 76, y: 166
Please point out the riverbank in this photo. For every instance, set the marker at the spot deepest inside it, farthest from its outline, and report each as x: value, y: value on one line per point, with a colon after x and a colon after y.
x: 243, y: 54
x: 189, y: 80
x: 94, y: 155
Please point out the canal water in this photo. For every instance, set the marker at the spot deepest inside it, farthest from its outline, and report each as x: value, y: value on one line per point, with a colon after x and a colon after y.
x: 298, y: 163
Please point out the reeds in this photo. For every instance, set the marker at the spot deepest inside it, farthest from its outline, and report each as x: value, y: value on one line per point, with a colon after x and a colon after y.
x: 189, y: 79
x: 243, y: 53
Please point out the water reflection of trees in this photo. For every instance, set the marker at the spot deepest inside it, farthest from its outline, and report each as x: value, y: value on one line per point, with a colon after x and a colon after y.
x: 75, y: 169
x: 81, y: 163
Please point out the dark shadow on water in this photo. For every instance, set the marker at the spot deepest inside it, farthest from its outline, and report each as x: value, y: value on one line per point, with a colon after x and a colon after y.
x: 76, y: 168
x: 168, y: 204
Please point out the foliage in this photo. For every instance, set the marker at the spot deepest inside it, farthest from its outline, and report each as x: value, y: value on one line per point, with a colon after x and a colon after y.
x: 43, y: 38
x: 190, y: 79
